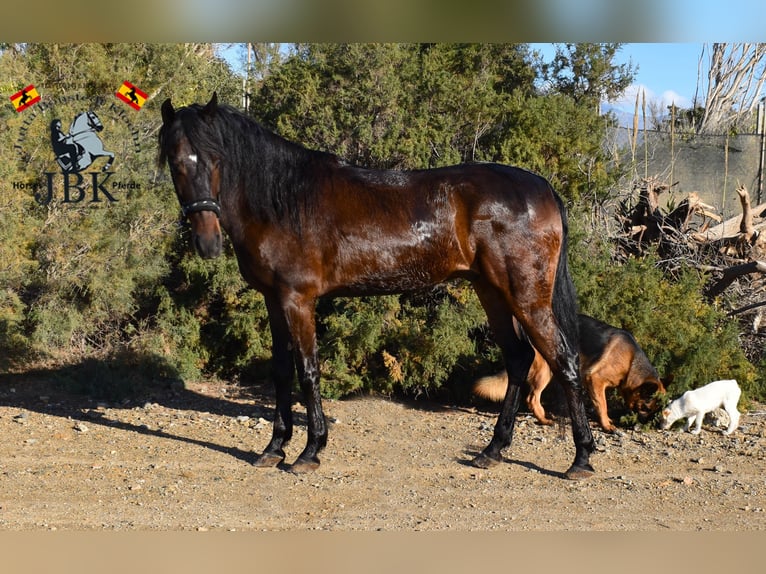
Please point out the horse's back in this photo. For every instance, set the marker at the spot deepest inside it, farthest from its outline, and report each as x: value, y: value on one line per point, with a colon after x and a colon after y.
x: 492, y: 180
x: 490, y: 200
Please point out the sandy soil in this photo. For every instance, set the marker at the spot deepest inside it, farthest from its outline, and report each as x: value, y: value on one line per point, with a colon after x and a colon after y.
x: 181, y: 460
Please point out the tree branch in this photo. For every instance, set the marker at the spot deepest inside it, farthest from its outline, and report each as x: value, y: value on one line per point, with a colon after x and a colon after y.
x: 733, y: 273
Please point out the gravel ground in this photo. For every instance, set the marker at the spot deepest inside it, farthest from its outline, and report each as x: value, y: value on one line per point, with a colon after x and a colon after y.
x: 182, y: 461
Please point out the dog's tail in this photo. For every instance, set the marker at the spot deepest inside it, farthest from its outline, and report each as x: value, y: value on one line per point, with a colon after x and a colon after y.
x: 492, y: 387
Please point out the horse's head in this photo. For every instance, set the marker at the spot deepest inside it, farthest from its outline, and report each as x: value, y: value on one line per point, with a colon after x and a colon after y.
x: 93, y: 121
x: 195, y: 167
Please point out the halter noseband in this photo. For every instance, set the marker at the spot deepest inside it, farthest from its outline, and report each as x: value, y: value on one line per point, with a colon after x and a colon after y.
x: 208, y: 204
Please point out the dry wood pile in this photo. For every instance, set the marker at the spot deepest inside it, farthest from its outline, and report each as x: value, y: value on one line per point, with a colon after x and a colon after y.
x: 731, y: 252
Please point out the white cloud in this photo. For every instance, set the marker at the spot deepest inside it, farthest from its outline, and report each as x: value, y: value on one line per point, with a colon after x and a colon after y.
x: 669, y: 97
x: 627, y: 102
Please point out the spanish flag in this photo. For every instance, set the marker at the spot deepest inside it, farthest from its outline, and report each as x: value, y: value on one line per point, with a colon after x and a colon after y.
x: 131, y: 95
x: 25, y: 98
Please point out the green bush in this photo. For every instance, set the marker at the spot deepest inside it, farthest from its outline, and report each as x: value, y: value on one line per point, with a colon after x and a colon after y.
x: 682, y: 334
x: 410, y: 344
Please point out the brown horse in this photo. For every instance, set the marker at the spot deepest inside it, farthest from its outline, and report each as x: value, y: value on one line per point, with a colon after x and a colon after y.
x: 305, y: 225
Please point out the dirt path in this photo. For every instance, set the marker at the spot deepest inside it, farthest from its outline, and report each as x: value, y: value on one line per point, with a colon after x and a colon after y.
x: 182, y: 461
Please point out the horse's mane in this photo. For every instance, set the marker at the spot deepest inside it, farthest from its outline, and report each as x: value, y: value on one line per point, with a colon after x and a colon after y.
x: 279, y: 178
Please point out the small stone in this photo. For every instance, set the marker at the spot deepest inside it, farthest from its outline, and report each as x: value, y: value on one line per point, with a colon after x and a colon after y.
x: 80, y: 427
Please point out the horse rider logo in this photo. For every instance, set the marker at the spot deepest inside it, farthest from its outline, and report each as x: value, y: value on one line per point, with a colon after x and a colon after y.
x: 76, y: 150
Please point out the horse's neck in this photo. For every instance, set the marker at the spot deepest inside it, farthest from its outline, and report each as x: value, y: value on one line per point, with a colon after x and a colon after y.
x: 78, y: 126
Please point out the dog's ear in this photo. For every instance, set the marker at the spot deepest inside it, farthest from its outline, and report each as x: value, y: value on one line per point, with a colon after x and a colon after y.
x: 667, y: 380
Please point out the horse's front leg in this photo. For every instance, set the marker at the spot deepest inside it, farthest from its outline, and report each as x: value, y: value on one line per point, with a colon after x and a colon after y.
x: 302, y: 322
x: 283, y: 372
x: 308, y: 374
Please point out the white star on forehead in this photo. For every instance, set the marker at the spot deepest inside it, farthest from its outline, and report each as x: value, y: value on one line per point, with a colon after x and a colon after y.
x: 193, y: 157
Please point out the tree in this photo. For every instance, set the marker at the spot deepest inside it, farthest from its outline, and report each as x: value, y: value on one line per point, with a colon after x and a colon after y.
x: 587, y: 73
x: 421, y: 106
x: 427, y: 105
x: 734, y: 84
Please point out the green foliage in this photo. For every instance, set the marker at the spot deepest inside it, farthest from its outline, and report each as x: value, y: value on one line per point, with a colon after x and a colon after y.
x: 587, y: 73
x: 413, y: 344
x: 81, y: 279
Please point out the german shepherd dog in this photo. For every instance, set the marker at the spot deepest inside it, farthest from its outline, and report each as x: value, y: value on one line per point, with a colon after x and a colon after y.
x: 609, y: 357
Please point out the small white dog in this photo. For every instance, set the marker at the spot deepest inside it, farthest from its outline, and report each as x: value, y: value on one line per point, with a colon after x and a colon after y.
x: 695, y: 404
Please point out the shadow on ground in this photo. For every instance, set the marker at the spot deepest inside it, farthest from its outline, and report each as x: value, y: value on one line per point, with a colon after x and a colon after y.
x: 76, y: 391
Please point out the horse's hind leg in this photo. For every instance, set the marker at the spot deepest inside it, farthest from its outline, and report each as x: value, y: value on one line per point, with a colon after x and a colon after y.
x: 561, y: 353
x: 109, y: 162
x: 518, y: 355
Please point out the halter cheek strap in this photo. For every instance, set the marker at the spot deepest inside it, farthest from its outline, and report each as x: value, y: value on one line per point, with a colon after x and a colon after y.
x: 208, y: 204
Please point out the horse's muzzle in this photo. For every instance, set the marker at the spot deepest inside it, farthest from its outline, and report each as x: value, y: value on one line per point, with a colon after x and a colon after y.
x: 208, y: 246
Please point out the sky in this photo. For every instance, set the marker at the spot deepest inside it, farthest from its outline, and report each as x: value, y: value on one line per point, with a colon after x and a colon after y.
x: 666, y: 72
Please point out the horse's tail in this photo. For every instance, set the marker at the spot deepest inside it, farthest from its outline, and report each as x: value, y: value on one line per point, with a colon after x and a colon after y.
x: 565, y: 308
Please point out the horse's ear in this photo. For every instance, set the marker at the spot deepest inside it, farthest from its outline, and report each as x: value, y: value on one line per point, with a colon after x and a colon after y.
x: 212, y: 105
x: 168, y: 113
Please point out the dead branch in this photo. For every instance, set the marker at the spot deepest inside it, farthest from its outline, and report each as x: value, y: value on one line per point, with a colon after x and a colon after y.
x: 733, y: 273
x: 747, y: 308
x: 746, y: 225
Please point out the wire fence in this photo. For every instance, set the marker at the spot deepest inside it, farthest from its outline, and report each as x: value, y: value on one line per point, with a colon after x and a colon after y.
x: 710, y: 165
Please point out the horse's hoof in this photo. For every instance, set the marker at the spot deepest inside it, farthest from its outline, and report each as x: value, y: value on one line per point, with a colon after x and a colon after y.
x: 304, y: 466
x: 484, y: 461
x: 268, y: 460
x: 579, y: 472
